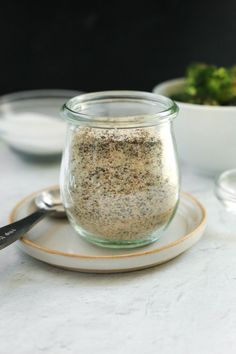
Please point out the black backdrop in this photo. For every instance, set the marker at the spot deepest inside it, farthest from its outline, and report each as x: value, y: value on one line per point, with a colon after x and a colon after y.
x: 111, y: 45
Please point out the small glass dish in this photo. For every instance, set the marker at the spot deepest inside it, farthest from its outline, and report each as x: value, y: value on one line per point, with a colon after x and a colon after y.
x: 225, y: 189
x: 30, y: 122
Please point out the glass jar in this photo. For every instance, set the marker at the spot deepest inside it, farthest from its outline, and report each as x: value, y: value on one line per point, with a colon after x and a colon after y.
x: 119, y: 174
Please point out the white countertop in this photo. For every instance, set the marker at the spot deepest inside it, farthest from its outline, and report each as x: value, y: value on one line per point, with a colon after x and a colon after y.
x: 187, y: 305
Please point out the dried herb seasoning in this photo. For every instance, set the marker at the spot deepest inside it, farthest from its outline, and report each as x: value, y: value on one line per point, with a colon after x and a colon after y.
x: 122, y: 186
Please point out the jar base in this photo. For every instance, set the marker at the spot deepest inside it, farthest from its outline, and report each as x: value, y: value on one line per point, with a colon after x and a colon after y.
x: 117, y: 244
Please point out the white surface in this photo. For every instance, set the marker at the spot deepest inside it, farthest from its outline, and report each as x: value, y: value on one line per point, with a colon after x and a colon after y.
x: 55, y: 242
x: 210, y: 142
x: 187, y: 305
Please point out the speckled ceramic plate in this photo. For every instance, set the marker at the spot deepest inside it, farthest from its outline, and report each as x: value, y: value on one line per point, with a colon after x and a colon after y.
x: 55, y: 242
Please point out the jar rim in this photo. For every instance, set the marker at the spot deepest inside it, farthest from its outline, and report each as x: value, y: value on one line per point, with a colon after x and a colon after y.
x: 163, y: 109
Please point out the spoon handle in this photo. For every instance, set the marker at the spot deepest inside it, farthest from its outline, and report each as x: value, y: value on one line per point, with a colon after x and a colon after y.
x: 12, y: 232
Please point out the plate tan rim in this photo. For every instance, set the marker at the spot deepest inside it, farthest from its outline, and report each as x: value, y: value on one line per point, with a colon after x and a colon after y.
x: 30, y: 243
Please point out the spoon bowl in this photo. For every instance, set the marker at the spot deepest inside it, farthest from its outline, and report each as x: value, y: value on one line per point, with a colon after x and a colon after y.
x: 50, y: 200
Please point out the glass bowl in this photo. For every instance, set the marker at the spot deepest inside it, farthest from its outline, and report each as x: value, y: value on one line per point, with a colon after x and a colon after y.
x: 225, y: 189
x: 30, y: 122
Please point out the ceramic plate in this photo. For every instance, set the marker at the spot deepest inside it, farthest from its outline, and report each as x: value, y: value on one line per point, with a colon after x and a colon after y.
x: 55, y: 242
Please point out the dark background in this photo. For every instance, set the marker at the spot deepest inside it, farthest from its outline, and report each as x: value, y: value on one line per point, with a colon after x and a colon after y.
x: 111, y: 45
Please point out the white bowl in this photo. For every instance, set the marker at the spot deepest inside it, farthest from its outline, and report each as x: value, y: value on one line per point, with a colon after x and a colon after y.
x: 206, y: 135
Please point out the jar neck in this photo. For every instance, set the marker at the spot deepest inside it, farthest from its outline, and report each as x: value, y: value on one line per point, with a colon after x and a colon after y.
x: 119, y: 109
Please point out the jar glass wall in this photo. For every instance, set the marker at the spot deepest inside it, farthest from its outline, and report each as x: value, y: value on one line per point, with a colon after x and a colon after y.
x: 119, y: 174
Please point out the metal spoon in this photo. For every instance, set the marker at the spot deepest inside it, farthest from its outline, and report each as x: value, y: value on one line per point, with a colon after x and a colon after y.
x: 47, y: 202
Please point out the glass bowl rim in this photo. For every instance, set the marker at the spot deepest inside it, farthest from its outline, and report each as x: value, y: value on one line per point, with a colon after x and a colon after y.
x: 37, y: 93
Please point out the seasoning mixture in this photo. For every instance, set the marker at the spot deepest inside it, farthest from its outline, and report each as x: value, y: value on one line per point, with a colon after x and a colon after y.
x: 122, y: 186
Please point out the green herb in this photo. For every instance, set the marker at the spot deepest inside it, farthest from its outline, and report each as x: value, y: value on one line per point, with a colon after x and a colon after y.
x: 209, y: 85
